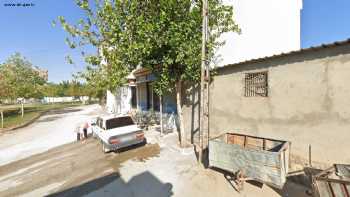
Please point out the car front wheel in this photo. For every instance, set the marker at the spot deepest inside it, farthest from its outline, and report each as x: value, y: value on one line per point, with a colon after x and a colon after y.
x: 104, y: 148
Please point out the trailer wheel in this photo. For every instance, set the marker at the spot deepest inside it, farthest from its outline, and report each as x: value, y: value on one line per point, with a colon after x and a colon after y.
x: 240, y: 179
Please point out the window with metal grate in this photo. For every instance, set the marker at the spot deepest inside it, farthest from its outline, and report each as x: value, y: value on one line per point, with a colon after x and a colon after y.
x: 256, y: 84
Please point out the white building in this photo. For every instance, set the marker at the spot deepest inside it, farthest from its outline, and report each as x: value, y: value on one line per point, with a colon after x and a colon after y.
x: 64, y: 99
x: 119, y: 102
x: 123, y: 99
x: 268, y: 27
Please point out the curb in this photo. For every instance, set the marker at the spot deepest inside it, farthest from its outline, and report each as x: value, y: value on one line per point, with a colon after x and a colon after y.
x: 5, y: 130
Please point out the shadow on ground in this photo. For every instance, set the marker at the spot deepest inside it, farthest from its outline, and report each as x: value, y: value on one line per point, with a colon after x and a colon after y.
x: 298, y: 185
x: 144, y: 184
x: 303, y: 179
x: 62, y: 111
x: 132, y: 147
x: 49, y: 119
x: 88, y: 187
x: 138, y: 152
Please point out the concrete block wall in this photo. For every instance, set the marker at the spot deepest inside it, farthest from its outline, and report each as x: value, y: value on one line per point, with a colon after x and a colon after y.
x: 308, y: 103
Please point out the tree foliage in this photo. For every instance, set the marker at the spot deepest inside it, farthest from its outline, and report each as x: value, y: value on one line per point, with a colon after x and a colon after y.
x: 104, y: 29
x: 19, y: 79
x: 163, y: 35
x: 66, y: 88
x: 170, y: 35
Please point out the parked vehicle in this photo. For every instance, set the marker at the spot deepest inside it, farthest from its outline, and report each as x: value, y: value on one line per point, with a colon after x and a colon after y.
x: 251, y: 158
x: 117, y: 132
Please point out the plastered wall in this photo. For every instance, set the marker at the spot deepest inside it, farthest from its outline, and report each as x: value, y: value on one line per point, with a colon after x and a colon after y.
x: 308, y: 103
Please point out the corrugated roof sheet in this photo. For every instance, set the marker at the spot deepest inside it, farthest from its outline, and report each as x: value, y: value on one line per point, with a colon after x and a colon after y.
x: 313, y: 48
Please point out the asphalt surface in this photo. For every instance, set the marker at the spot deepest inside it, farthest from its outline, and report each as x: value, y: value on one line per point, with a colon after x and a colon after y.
x: 67, y: 170
x: 159, y: 168
x: 51, y: 130
x: 44, y: 159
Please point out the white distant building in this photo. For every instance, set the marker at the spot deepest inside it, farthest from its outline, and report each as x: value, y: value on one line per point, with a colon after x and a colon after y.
x: 268, y: 27
x: 119, y: 101
x: 63, y: 99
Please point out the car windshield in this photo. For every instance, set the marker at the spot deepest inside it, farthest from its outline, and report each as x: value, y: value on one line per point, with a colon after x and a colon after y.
x: 118, y: 122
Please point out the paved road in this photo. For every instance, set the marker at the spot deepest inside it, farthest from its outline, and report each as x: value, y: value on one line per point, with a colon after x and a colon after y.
x: 33, y: 164
x: 73, y: 169
x: 51, y: 130
x: 160, y: 168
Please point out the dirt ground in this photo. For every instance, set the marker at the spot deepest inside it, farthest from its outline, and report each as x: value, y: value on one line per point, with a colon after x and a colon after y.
x: 65, y: 167
x: 159, y: 168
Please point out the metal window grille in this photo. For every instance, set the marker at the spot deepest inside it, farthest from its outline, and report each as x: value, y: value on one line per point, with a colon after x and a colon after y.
x: 255, y: 84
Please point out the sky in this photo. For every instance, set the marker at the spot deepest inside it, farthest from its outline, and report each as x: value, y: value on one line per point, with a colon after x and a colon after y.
x: 324, y: 21
x: 29, y: 30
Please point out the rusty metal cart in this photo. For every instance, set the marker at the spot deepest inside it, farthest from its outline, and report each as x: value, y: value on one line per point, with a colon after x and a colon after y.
x: 251, y: 158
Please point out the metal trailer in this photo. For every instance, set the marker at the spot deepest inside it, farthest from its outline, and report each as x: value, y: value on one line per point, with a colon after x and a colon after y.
x: 332, y: 182
x: 251, y: 158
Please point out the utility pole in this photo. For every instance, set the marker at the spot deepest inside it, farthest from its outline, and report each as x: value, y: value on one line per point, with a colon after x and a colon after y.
x: 161, y: 114
x: 204, y: 103
x: 22, y: 107
x: 2, y: 119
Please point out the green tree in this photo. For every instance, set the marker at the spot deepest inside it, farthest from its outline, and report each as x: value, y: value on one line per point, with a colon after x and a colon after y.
x: 20, y: 79
x: 5, y: 90
x: 66, y: 88
x: 104, y: 29
x: 171, y: 31
x: 52, y: 90
x: 162, y: 35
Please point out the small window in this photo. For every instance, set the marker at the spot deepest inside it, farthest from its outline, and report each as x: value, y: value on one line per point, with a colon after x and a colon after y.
x: 255, y: 84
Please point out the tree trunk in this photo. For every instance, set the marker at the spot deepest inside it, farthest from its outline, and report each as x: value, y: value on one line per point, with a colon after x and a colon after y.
x: 179, y: 113
x: 22, y: 109
x: 161, y: 114
x: 2, y: 119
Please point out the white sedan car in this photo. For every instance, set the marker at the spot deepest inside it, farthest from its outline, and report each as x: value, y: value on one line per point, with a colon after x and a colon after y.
x: 117, y: 132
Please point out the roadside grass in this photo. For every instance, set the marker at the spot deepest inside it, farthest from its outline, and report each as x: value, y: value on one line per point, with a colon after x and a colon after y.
x: 13, y: 118
x: 12, y: 121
